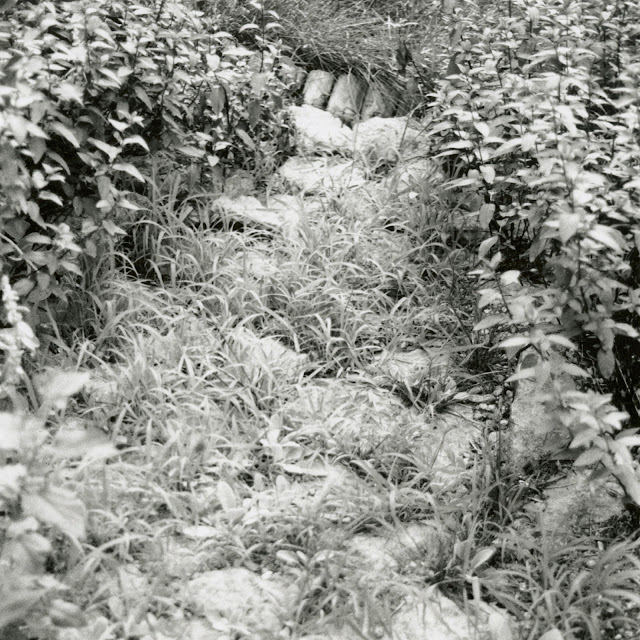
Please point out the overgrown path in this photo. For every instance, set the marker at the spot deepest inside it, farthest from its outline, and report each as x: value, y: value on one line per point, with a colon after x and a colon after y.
x: 293, y: 384
x: 309, y: 468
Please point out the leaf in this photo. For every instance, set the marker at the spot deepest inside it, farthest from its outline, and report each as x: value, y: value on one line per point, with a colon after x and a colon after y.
x: 589, y: 457
x: 57, y: 507
x: 226, y: 496
x: 485, y: 216
x: 139, y: 140
x: 482, y: 557
x: 606, y: 362
x: 488, y: 173
x: 485, y: 246
x: 523, y: 374
x: 482, y: 128
x: 516, y: 342
x: 491, y: 321
x: 14, y: 427
x: 71, y: 442
x: 244, y: 136
x: 57, y: 386
x: 130, y: 169
x: 66, y: 133
x: 112, y: 229
x: 68, y: 91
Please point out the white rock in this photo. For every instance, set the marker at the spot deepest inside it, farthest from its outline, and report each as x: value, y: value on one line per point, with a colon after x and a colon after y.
x: 391, y: 550
x: 321, y: 175
x: 413, y: 175
x: 572, y: 506
x: 251, y: 211
x: 317, y: 88
x: 267, y: 356
x: 239, y: 600
x: 319, y: 131
x: 347, y: 97
x: 412, y: 367
x: 380, y: 140
x: 436, y: 617
x: 535, y: 431
x: 239, y: 183
x: 377, y: 103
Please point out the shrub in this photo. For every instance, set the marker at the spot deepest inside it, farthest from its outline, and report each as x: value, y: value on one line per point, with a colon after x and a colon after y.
x: 91, y: 90
x: 538, y: 128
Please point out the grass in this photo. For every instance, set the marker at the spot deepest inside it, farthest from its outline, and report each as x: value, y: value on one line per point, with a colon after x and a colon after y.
x: 212, y: 442
x: 227, y: 459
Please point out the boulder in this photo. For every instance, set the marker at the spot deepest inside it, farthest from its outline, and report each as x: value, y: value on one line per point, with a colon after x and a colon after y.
x: 376, y: 103
x: 413, y: 367
x: 347, y: 97
x: 317, y: 88
x: 319, y: 131
x: 436, y: 617
x: 239, y: 601
x: 382, y: 140
x: 321, y: 175
x: 573, y: 506
x: 536, y: 432
x: 266, y: 356
x: 396, y: 548
x: 250, y: 211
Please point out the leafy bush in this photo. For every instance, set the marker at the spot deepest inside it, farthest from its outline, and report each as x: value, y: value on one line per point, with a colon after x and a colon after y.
x: 91, y: 90
x: 538, y: 127
x: 35, y: 507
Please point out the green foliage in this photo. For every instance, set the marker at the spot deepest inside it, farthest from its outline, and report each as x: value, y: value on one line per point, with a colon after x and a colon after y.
x: 91, y: 91
x: 35, y: 507
x: 538, y: 127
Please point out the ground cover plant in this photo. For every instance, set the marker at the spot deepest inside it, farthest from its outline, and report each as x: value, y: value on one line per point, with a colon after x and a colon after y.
x: 187, y: 398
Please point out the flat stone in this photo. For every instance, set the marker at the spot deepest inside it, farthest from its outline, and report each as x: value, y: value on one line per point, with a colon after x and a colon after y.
x: 319, y: 131
x: 413, y: 175
x: 267, y: 356
x: 573, y: 506
x: 384, y: 140
x: 436, y: 617
x: 338, y: 496
x: 252, y: 212
x: 238, y: 600
x: 392, y: 550
x: 412, y: 367
x: 535, y: 431
x: 321, y: 175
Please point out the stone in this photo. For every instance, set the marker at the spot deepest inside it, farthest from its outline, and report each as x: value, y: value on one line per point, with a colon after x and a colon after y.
x: 574, y: 506
x: 319, y: 131
x: 366, y: 202
x: 383, y: 140
x: 238, y: 600
x: 317, y: 88
x: 321, y: 175
x: 239, y: 183
x: 434, y: 616
x: 412, y: 367
x: 376, y: 103
x: 267, y: 356
x: 535, y: 431
x: 251, y: 211
x: 413, y: 175
x: 394, y: 549
x: 347, y: 97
